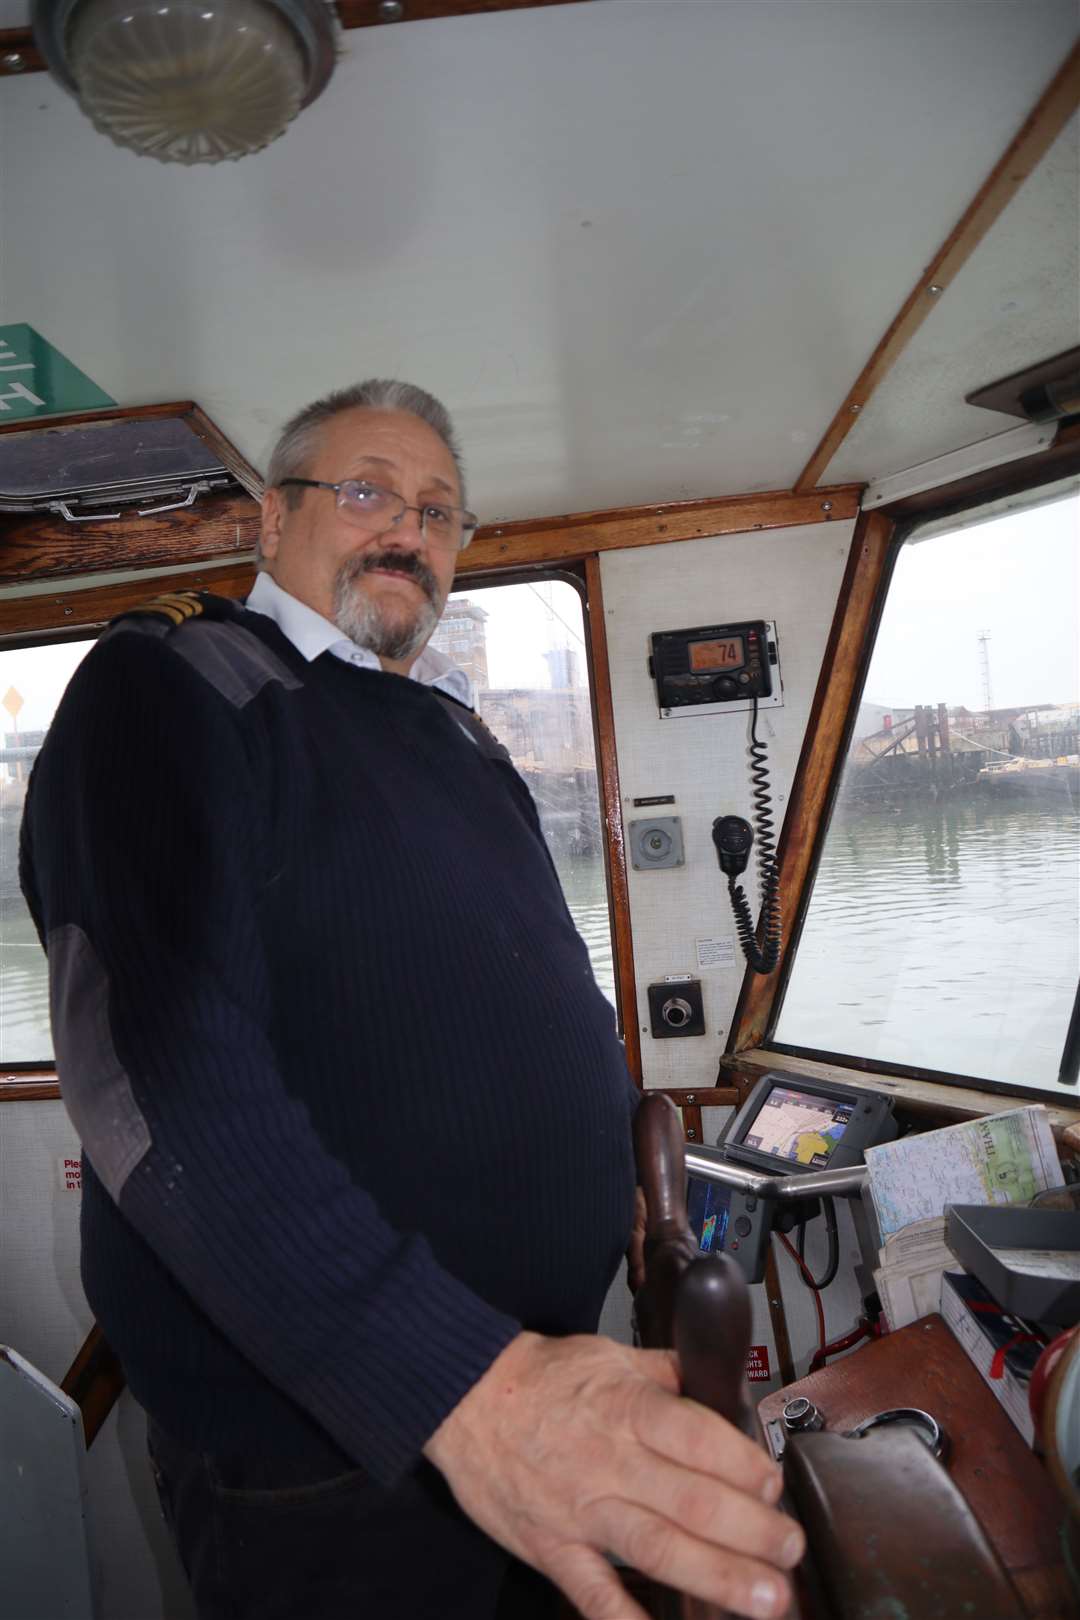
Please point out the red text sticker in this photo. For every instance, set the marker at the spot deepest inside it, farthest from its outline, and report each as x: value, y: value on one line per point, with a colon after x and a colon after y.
x: 71, y: 1175
x: 757, y: 1364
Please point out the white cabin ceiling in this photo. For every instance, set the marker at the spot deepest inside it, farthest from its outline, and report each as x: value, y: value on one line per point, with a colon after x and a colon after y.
x: 1016, y: 301
x: 641, y: 248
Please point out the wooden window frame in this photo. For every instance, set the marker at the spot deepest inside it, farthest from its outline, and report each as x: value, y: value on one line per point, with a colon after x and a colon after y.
x: 936, y: 1096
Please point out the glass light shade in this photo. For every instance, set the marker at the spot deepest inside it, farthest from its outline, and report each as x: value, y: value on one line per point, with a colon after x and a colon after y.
x: 186, y: 81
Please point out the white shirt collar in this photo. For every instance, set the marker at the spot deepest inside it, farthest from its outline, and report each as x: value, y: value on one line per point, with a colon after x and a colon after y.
x: 313, y: 635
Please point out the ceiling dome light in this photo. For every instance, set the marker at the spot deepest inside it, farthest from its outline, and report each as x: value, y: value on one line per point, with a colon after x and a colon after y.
x: 189, y: 81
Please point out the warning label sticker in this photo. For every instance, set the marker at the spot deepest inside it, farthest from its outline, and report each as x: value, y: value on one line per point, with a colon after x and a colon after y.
x: 757, y: 1364
x: 715, y: 952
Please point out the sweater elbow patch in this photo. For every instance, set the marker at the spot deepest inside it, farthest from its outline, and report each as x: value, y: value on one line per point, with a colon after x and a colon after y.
x: 96, y: 1089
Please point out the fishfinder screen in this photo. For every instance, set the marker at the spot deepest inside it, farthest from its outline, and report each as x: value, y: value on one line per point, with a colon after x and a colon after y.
x: 727, y: 653
x: 708, y: 1205
x: 799, y: 1126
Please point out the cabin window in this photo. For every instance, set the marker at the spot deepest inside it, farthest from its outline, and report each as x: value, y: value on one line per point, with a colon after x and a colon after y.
x: 943, y: 931
x: 524, y: 647
x: 32, y: 682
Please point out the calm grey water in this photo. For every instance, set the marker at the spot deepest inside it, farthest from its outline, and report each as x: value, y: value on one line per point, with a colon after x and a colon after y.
x: 947, y: 937
x: 24, y: 994
x: 944, y: 936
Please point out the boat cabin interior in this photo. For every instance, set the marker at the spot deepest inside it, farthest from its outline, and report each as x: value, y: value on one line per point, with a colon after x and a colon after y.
x: 759, y: 323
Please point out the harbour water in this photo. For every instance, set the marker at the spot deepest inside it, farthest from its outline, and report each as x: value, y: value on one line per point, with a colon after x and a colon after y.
x: 945, y: 936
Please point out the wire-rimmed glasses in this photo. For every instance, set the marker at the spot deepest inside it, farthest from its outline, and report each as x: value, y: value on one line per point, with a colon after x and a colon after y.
x: 372, y: 507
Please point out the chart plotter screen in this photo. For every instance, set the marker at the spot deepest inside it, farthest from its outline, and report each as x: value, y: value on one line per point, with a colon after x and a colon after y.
x: 799, y: 1126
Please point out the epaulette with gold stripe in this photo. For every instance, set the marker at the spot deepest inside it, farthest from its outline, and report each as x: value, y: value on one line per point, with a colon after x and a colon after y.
x: 180, y: 606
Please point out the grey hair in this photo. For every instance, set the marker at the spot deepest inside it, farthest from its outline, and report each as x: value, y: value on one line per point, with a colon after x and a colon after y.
x: 298, y: 441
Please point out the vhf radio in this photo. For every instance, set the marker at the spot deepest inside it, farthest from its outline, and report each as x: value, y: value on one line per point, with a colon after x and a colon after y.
x: 714, y: 663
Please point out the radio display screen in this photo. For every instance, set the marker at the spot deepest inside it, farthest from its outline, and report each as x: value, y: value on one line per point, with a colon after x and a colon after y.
x: 723, y: 654
x: 799, y: 1126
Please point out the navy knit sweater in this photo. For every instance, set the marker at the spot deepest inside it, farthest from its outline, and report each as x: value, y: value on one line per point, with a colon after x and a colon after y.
x: 352, y: 1106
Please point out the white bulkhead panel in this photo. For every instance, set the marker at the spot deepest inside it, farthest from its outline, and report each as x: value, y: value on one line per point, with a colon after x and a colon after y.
x: 791, y: 576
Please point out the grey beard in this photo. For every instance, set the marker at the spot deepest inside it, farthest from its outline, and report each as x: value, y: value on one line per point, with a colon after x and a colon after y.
x: 366, y: 624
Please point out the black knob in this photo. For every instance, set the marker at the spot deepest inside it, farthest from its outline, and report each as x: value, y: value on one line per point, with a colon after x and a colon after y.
x: 676, y: 1012
x: 725, y: 687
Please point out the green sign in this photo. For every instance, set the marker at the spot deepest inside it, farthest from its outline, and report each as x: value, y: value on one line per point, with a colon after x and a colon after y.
x: 36, y: 380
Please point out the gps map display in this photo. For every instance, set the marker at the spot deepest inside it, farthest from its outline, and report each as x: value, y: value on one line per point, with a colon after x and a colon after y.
x: 799, y: 1126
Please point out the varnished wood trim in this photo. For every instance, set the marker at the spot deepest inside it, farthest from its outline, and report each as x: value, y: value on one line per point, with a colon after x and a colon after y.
x: 943, y: 1103
x: 690, y: 1114
x: 611, y: 810
x: 29, y: 1088
x: 60, y: 610
x: 40, y: 545
x: 19, y: 42
x: 538, y: 542
x: 1035, y: 136
x: 821, y: 761
x: 353, y: 14
x: 698, y: 1096
x: 366, y: 13
x: 544, y: 542
x: 108, y: 413
x: 94, y: 1381
x: 774, y: 1294
x: 241, y: 469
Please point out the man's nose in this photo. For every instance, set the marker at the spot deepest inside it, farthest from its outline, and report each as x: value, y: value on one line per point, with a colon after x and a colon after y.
x: 405, y: 531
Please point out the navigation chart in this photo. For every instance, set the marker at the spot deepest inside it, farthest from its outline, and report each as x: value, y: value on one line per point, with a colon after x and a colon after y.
x: 798, y: 1126
x: 1003, y: 1158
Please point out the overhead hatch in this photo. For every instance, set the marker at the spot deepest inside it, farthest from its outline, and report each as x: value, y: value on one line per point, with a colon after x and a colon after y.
x: 93, y: 471
x: 126, y: 489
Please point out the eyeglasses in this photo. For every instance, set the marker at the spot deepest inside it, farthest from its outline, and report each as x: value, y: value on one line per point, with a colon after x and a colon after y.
x: 371, y: 507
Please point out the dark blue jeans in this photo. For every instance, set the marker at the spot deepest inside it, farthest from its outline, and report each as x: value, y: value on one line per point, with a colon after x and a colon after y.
x: 277, y: 1541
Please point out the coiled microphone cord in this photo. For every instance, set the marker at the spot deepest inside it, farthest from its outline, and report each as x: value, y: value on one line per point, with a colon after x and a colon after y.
x: 765, y: 959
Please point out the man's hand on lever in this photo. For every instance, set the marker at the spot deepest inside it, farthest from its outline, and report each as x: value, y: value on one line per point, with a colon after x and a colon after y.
x: 569, y: 1448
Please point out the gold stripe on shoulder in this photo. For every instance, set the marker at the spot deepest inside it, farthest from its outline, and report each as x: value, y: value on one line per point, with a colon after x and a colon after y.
x: 174, y: 605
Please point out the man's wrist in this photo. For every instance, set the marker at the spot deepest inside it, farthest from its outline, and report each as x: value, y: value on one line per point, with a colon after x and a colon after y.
x: 498, y: 1381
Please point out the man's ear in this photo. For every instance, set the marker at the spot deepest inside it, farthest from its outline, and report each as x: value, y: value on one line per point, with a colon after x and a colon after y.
x: 273, y: 503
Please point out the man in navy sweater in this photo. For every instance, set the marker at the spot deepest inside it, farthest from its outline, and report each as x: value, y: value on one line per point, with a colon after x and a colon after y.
x: 355, y: 1118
